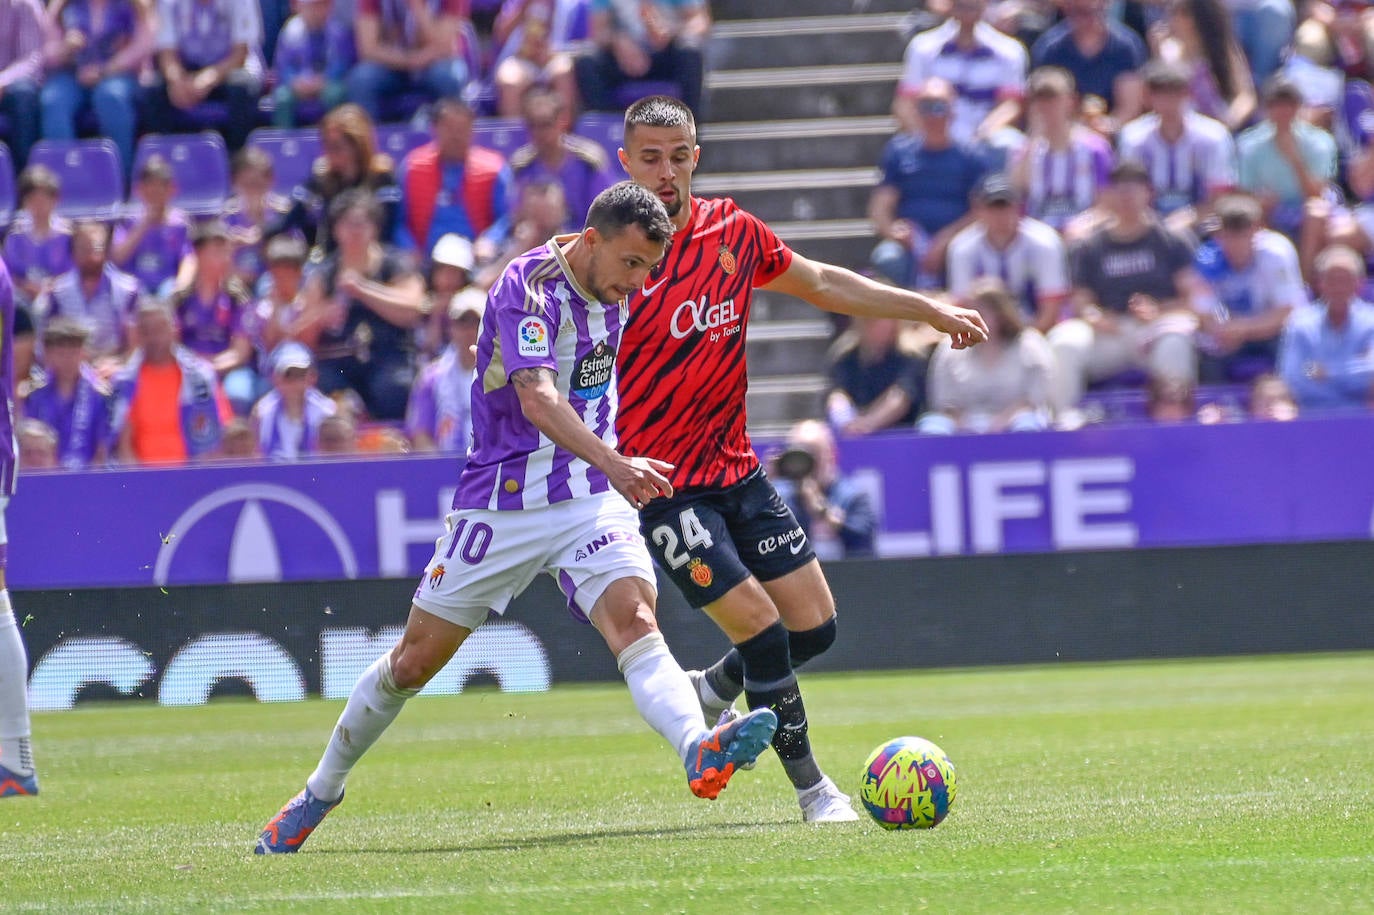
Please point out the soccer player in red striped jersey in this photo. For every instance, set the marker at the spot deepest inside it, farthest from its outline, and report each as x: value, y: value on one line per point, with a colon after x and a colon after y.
x: 726, y: 539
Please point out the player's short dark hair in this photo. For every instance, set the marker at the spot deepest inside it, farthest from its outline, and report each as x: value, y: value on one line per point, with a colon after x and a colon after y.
x: 660, y: 111
x: 38, y: 178
x: 627, y: 204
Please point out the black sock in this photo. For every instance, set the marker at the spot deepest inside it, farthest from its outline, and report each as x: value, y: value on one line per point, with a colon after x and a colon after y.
x: 726, y: 676
x: 770, y: 683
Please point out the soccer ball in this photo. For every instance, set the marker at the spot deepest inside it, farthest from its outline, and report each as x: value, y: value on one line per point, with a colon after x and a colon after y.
x: 908, y: 783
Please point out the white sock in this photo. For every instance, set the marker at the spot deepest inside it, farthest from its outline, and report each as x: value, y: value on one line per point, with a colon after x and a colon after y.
x: 15, y: 752
x: 662, y: 692
x: 375, y: 702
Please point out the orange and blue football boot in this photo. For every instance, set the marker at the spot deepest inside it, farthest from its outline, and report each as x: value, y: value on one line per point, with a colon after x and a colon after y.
x: 12, y: 784
x: 286, y: 832
x: 728, y: 748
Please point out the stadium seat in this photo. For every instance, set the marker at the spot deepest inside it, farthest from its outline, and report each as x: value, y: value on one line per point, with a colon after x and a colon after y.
x: 605, y: 128
x: 7, y: 201
x: 293, y: 152
x: 91, y: 174
x: 398, y: 139
x: 505, y: 135
x: 200, y: 163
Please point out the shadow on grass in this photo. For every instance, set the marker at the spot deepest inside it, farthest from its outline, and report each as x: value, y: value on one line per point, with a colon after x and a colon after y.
x: 557, y: 839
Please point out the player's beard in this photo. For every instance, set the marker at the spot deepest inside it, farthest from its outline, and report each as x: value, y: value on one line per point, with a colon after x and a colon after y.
x: 594, y: 285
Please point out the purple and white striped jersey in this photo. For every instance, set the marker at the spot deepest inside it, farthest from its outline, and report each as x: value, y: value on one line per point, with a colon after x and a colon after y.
x: 539, y: 316
x: 9, y: 447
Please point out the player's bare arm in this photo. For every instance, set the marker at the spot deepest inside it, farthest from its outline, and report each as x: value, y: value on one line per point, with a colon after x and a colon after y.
x: 638, y: 479
x: 836, y: 289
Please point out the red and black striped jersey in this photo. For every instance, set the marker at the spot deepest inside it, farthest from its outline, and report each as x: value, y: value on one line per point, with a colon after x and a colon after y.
x: 681, y: 364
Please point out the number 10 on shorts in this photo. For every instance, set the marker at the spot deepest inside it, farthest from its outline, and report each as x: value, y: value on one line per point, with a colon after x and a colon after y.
x: 676, y: 553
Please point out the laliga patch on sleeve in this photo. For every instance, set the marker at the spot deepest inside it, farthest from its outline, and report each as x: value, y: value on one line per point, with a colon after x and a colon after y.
x: 534, y: 338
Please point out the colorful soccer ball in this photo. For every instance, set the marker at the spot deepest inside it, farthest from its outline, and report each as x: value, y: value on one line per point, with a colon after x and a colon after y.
x: 908, y: 783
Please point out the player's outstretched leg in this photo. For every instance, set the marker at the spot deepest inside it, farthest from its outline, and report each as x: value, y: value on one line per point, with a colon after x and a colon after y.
x: 719, y: 685
x: 769, y: 682
x: 731, y: 746
x: 17, y: 776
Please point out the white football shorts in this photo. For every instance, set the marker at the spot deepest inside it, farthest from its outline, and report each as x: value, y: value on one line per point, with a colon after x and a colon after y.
x: 485, y: 558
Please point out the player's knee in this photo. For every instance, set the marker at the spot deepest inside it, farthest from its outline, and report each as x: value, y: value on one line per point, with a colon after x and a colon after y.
x: 766, y: 656
x: 413, y: 665
x: 810, y: 643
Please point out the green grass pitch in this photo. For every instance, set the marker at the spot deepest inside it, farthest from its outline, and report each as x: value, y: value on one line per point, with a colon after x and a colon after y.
x: 1240, y: 785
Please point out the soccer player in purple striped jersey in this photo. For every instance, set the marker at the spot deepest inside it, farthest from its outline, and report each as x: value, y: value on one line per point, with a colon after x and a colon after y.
x: 545, y: 490
x: 17, y: 777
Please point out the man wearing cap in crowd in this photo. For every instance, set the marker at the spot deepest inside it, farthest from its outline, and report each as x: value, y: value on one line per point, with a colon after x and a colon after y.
x: 1025, y: 254
x: 289, y: 416
x: 439, y: 415
x: 72, y: 399
x: 452, y: 264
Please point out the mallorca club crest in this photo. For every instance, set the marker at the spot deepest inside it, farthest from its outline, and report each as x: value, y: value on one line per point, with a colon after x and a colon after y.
x: 436, y: 576
x: 727, y: 261
x: 701, y: 573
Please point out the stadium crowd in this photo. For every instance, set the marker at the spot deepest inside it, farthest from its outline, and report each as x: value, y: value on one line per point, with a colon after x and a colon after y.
x: 1152, y: 224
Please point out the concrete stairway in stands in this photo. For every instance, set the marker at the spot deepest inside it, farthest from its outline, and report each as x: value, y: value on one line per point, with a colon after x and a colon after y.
x: 797, y: 100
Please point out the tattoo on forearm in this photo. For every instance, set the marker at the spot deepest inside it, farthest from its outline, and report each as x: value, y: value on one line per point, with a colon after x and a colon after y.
x: 529, y: 378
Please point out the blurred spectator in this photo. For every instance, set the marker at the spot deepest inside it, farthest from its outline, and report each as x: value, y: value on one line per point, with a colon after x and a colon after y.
x: 1197, y: 35
x: 986, y: 68
x: 1288, y: 164
x: 366, y: 300
x: 451, y: 186
x: 540, y: 215
x: 923, y: 198
x: 338, y: 435
x: 1002, y: 385
x: 1190, y: 158
x: 27, y: 374
x: 210, y: 312
x: 152, y: 243
x: 1253, y: 284
x: 350, y: 160
x: 73, y: 400
x: 95, y: 293
x: 1264, y: 29
x: 384, y: 439
x: 239, y: 440
x: 1134, y: 284
x: 836, y: 513
x: 1333, y: 45
x: 24, y: 34
x: 644, y: 40
x: 1063, y: 166
x: 279, y: 314
x: 877, y: 378
x: 1170, y: 401
x: 248, y: 213
x: 93, y: 65
x: 450, y: 271
x: 1326, y: 355
x: 1025, y: 254
x: 37, y: 445
x: 556, y: 154
x: 38, y: 247
x: 289, y: 416
x: 534, y: 38
x: 207, y: 50
x: 313, y: 55
x: 1271, y: 400
x: 168, y: 407
x: 439, y: 415
x: 407, y: 46
x: 1102, y: 55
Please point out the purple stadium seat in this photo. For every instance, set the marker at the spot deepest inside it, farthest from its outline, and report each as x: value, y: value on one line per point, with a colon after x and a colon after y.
x: 7, y: 201
x: 398, y: 139
x: 91, y: 174
x: 292, y: 151
x: 200, y: 163
x: 505, y: 135
x: 605, y: 128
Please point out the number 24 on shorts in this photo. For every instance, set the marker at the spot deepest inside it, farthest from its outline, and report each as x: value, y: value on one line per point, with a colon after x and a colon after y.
x: 676, y: 553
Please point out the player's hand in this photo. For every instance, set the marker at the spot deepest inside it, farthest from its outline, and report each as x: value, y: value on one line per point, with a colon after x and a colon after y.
x: 964, y: 325
x: 640, y: 479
